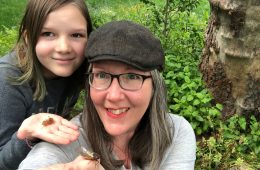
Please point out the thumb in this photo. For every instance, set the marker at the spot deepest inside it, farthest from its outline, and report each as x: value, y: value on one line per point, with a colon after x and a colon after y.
x: 21, y: 134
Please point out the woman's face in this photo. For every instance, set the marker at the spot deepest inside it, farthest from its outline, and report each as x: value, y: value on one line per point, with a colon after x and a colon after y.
x: 60, y: 47
x: 120, y: 110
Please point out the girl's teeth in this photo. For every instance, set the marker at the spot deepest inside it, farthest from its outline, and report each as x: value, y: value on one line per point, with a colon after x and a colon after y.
x: 117, y: 112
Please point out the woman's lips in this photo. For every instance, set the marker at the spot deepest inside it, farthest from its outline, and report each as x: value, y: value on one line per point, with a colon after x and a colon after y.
x: 117, y: 113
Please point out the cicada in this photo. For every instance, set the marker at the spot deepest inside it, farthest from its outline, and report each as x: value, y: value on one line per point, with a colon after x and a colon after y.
x: 48, y: 121
x: 88, y: 155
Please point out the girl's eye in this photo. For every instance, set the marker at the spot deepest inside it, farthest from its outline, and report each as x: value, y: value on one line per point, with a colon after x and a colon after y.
x: 78, y: 35
x: 47, y: 34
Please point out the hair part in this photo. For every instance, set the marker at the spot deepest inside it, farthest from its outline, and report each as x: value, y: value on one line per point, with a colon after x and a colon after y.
x: 30, y: 29
x: 154, y: 126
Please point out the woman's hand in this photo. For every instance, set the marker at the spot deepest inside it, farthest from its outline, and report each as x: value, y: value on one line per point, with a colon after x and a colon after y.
x: 48, y: 127
x: 78, y: 164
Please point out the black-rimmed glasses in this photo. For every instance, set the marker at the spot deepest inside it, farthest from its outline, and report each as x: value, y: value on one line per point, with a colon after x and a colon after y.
x: 127, y: 81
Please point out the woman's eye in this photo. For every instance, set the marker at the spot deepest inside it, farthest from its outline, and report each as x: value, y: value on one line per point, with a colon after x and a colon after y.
x: 47, y: 34
x: 101, y: 75
x: 133, y: 76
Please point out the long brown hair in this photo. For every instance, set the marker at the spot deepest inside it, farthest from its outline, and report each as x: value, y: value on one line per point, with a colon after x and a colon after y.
x: 154, y: 126
x: 30, y: 28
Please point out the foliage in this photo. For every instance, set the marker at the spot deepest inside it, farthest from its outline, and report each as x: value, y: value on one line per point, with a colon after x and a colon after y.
x: 135, y: 12
x: 235, y: 145
x: 78, y: 108
x: 11, y: 12
x: 165, y: 15
x: 187, y: 95
x: 7, y: 40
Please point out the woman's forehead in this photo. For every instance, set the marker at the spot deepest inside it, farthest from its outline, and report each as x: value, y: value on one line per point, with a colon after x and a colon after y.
x: 111, y: 65
x: 108, y: 63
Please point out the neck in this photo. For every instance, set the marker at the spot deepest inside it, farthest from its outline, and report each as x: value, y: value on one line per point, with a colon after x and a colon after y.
x: 123, y: 154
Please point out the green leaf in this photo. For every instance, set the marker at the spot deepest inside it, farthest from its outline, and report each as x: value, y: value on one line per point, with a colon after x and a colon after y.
x: 199, y: 118
x: 187, y: 79
x: 219, y: 106
x: 196, y: 102
x: 205, y: 100
x: 175, y: 107
x: 190, y: 98
x: 200, y: 95
x: 242, y: 123
x: 186, y: 69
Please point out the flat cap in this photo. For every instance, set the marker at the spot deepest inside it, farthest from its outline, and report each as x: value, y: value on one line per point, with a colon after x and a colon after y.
x: 126, y: 42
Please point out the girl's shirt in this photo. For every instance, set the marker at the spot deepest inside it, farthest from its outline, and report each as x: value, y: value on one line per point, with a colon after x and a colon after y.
x: 17, y: 104
x: 180, y: 155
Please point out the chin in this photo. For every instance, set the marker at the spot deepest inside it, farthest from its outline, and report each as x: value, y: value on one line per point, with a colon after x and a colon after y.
x: 65, y: 74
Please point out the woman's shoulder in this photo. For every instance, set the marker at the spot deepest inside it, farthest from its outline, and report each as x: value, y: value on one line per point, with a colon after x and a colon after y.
x: 181, y: 126
x: 182, y: 152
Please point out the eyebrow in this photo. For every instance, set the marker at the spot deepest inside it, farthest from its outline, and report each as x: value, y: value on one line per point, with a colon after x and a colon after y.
x: 73, y: 30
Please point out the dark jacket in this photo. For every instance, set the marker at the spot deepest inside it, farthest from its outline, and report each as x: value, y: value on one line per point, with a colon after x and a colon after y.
x: 17, y: 104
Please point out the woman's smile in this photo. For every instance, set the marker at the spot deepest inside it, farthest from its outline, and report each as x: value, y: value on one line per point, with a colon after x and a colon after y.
x: 117, y: 113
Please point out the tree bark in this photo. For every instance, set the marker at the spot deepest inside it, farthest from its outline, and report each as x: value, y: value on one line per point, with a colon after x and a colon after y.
x: 230, y: 62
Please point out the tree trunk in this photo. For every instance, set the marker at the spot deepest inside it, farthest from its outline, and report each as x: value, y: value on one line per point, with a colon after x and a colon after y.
x: 230, y: 62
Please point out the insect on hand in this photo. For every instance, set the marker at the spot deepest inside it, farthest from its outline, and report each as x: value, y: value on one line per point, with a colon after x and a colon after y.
x: 48, y: 121
x: 88, y: 155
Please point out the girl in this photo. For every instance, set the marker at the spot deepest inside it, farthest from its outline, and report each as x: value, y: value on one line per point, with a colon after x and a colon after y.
x: 125, y: 119
x: 42, y: 75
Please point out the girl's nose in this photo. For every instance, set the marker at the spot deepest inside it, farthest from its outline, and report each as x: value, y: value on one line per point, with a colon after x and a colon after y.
x: 63, y: 45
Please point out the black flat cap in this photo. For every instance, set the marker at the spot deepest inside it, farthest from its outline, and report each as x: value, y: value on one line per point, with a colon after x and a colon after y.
x: 126, y: 42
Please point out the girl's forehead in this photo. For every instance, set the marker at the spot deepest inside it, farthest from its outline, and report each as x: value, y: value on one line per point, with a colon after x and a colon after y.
x: 68, y: 17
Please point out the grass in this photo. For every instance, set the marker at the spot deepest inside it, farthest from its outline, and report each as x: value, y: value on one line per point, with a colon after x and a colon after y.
x: 11, y: 12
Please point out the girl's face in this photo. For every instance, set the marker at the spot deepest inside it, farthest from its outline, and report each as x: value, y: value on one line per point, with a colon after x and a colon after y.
x: 60, y: 47
x: 120, y: 110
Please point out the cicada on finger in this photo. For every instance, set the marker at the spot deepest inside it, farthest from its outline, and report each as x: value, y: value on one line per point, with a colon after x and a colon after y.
x: 88, y: 155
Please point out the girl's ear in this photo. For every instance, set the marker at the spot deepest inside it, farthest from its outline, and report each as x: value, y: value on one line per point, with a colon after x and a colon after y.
x: 25, y: 37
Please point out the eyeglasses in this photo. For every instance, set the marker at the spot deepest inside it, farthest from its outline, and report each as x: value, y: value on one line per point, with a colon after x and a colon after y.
x: 127, y: 81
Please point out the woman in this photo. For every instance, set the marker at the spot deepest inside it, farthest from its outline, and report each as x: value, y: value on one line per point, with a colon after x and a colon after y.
x: 125, y: 120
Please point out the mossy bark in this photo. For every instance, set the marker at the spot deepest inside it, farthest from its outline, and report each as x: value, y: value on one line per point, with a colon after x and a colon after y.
x: 230, y: 62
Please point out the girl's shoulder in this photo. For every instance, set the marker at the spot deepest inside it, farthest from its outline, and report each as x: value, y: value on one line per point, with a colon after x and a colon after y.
x: 9, y: 58
x: 8, y: 66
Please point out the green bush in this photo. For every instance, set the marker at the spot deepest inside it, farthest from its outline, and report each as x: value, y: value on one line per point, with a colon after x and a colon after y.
x: 187, y: 96
x: 235, y: 145
x: 7, y: 40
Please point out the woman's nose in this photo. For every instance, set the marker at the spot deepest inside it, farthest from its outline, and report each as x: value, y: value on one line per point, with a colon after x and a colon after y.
x: 114, y: 91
